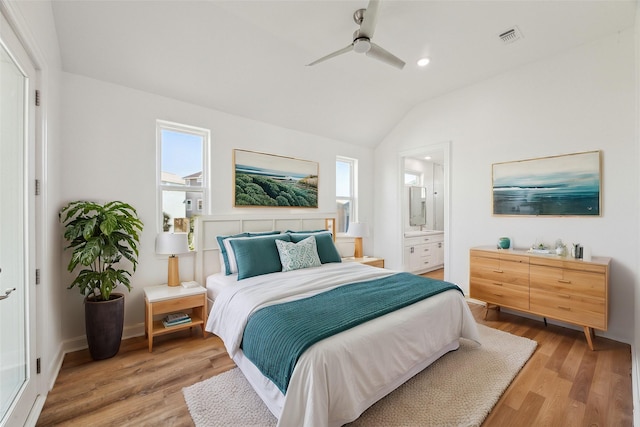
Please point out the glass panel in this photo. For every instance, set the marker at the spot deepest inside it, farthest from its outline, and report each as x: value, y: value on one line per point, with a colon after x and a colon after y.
x: 13, y: 310
x: 343, y: 179
x: 173, y: 207
x: 411, y: 179
x: 343, y: 215
x: 181, y: 159
x: 417, y: 206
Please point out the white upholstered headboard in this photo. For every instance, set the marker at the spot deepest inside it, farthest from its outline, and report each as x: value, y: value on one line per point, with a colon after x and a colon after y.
x: 208, y: 227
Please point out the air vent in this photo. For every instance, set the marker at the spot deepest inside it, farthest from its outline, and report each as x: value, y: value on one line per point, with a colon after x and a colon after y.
x: 511, y: 35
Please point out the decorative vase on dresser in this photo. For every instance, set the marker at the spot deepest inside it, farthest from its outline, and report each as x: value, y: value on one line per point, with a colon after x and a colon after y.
x: 567, y: 289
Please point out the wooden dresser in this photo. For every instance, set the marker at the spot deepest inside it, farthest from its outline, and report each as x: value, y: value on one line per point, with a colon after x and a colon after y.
x: 563, y: 288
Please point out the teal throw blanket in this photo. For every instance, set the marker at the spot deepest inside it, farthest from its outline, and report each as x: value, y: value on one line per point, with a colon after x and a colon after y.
x: 276, y: 336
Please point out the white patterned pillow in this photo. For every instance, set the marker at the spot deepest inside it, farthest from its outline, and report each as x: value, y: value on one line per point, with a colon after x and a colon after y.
x: 294, y: 256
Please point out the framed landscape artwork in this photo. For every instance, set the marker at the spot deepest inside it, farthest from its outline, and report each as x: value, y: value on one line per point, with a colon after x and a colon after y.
x: 268, y: 180
x: 567, y: 185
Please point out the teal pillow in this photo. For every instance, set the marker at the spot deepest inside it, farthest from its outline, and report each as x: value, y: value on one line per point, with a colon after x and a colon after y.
x: 294, y: 256
x: 257, y: 255
x: 223, y: 250
x: 327, y: 250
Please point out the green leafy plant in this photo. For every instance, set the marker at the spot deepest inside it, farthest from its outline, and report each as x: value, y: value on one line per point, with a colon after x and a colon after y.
x: 100, y: 236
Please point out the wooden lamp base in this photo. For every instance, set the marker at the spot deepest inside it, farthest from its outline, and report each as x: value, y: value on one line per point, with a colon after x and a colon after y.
x: 174, y: 274
x: 358, y: 247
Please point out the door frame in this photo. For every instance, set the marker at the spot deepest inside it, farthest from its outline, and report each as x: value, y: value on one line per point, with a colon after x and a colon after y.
x: 445, y: 148
x: 29, y: 411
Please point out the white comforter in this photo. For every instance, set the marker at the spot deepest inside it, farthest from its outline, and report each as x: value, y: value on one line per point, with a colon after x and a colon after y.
x: 338, y: 378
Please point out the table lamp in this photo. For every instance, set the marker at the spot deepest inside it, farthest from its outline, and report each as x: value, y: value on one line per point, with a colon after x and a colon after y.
x: 172, y: 244
x: 358, y: 230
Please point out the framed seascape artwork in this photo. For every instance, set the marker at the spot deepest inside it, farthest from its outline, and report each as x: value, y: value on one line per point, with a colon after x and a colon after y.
x: 567, y: 185
x: 268, y: 180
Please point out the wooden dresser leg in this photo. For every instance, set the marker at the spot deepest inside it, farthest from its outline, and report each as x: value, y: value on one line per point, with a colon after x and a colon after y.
x: 490, y: 306
x: 589, y: 334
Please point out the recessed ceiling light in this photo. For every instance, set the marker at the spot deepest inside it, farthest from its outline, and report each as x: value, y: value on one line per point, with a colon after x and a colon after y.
x: 427, y: 158
x: 422, y: 62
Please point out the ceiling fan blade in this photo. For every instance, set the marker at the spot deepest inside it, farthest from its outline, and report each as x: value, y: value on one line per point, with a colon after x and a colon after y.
x: 332, y: 55
x: 380, y: 54
x: 368, y: 26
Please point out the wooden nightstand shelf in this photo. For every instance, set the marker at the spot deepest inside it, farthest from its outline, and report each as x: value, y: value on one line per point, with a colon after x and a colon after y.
x: 164, y: 299
x: 369, y: 260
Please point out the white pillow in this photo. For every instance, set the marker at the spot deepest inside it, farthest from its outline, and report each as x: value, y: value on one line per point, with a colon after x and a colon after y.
x: 294, y: 256
x: 231, y: 257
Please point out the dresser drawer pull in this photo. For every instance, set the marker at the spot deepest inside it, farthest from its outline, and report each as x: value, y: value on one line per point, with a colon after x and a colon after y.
x: 564, y: 281
x: 498, y: 271
x: 497, y: 284
x: 564, y: 308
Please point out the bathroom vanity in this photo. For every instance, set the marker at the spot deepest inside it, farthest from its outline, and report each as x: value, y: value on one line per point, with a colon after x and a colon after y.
x: 423, y: 251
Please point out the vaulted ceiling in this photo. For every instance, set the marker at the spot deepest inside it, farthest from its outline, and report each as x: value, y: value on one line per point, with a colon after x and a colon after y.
x: 248, y: 57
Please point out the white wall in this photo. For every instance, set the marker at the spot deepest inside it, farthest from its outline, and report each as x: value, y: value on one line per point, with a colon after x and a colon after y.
x: 578, y: 101
x: 35, y: 25
x: 109, y: 153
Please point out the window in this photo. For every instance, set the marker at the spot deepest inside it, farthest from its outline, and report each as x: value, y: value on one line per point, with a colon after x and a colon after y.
x: 346, y: 192
x: 412, y: 178
x: 182, y: 174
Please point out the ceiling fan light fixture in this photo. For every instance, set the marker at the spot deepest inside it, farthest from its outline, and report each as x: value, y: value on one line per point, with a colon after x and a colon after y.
x: 423, y: 62
x: 361, y: 45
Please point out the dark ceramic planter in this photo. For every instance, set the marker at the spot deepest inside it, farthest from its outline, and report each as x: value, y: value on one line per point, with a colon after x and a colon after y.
x: 104, y: 321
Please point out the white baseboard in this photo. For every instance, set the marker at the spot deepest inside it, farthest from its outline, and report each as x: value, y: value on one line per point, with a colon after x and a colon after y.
x: 54, y: 367
x: 34, y: 413
x: 80, y: 343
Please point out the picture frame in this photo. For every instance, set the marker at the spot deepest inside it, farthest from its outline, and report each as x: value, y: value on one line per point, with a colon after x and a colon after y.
x: 563, y: 185
x: 270, y: 180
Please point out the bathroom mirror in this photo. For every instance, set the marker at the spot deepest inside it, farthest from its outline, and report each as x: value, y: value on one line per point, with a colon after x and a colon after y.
x: 417, y: 206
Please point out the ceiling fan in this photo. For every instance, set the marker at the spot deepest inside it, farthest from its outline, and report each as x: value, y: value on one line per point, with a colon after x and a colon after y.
x: 366, y: 19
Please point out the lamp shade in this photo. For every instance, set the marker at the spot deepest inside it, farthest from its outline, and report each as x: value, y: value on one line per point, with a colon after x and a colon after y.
x: 172, y: 243
x: 358, y: 229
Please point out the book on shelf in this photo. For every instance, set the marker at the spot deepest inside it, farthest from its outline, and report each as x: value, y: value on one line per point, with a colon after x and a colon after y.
x: 175, y: 323
x: 175, y: 317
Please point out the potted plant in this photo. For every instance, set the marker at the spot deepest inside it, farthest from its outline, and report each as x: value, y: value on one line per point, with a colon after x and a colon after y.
x: 100, y: 236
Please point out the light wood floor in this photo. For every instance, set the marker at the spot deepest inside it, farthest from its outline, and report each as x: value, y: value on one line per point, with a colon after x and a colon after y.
x: 563, y: 384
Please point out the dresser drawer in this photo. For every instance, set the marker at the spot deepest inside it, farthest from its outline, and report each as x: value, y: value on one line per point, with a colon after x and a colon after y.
x: 503, y: 271
x: 568, y: 282
x: 504, y: 294
x: 583, y: 311
x: 570, y: 295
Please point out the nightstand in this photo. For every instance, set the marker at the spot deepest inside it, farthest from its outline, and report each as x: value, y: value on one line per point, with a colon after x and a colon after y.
x: 165, y: 299
x: 369, y: 260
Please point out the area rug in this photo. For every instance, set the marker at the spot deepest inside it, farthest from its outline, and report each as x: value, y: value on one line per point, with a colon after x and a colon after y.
x: 459, y: 389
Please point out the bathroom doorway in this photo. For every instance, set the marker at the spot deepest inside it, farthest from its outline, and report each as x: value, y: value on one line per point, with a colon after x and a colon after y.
x: 426, y: 167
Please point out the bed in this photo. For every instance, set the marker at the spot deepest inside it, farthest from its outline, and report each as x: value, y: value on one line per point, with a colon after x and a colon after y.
x: 337, y: 378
